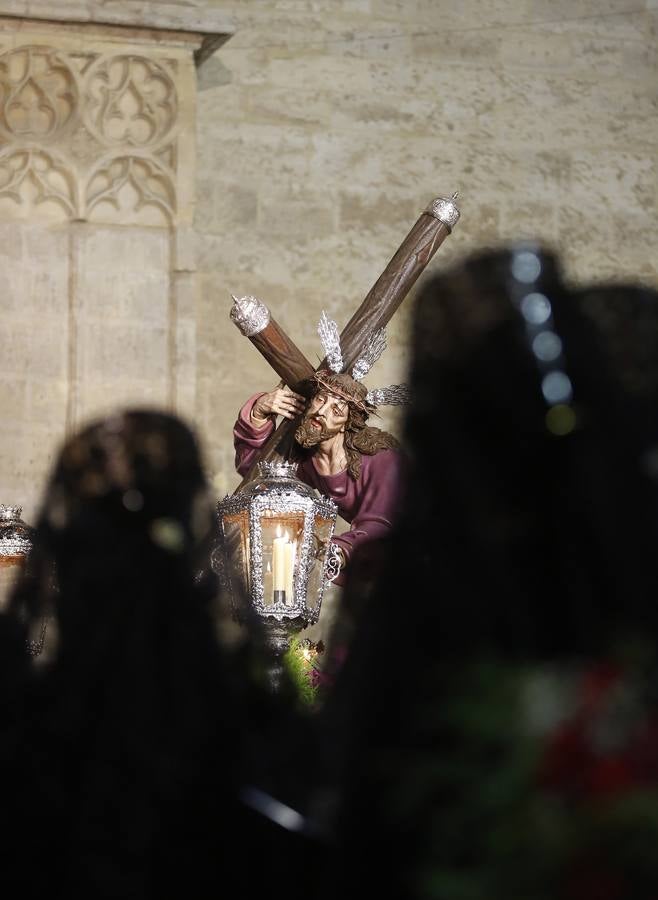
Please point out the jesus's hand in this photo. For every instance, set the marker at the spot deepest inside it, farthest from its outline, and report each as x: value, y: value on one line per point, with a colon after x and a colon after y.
x: 280, y: 402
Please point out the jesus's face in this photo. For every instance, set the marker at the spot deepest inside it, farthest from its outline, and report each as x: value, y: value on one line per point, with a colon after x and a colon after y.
x: 325, y: 417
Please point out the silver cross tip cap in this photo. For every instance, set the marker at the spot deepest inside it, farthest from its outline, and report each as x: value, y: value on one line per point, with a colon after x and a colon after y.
x: 445, y: 210
x: 249, y: 314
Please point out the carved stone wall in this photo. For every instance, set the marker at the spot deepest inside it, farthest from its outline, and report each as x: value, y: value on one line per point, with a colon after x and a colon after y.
x: 97, y: 267
x: 87, y: 136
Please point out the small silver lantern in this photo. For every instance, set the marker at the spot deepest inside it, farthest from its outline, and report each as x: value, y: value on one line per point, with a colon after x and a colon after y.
x: 275, y: 551
x: 15, y: 537
x: 15, y: 545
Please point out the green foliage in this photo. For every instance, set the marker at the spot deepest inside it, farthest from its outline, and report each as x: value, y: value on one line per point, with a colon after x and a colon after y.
x: 299, y: 666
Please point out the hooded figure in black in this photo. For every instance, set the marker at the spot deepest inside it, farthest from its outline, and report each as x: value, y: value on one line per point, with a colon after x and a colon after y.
x: 495, y: 724
x: 141, y: 737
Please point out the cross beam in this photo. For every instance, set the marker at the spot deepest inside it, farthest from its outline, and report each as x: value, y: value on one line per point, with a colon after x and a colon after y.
x: 432, y: 227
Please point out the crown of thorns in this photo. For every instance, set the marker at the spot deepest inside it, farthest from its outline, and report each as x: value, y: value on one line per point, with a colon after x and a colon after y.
x: 327, y: 380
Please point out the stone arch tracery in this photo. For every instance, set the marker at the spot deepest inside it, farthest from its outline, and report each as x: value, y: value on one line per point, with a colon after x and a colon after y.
x: 91, y: 133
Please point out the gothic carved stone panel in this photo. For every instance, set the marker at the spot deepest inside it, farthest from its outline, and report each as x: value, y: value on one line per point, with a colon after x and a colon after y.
x: 85, y: 148
x: 90, y: 134
x: 97, y: 174
x: 32, y: 178
x: 38, y: 93
x: 130, y: 100
x: 132, y: 189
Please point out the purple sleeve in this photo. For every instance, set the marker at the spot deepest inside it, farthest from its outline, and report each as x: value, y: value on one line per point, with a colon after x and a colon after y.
x: 380, y: 487
x: 247, y: 439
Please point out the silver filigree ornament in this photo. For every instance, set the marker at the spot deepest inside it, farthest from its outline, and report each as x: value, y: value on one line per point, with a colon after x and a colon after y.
x: 277, y: 468
x: 393, y: 395
x: 250, y: 314
x: 334, y: 562
x: 330, y: 340
x: 445, y: 210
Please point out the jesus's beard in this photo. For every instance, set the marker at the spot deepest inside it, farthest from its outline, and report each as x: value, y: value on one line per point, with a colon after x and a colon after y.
x: 308, y: 436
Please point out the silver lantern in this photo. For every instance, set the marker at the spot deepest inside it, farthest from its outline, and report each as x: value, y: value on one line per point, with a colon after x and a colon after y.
x: 15, y: 537
x: 275, y: 554
x: 15, y: 545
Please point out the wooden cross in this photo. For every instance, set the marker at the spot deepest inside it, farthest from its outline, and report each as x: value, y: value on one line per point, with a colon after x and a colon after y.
x: 433, y: 226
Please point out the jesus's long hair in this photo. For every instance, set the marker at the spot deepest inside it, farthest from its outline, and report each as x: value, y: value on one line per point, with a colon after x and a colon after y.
x: 363, y: 439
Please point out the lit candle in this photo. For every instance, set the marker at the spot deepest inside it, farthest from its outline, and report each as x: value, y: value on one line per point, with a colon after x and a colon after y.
x: 289, y: 550
x: 279, y: 564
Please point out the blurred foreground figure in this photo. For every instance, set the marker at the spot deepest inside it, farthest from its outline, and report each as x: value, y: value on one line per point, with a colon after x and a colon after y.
x: 129, y: 772
x: 495, y: 724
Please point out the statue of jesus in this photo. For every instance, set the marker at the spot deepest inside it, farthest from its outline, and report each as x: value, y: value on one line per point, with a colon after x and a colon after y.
x: 358, y: 466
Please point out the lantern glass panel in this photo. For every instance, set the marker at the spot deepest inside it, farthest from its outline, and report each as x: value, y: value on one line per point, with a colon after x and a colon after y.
x: 9, y: 572
x: 281, y: 536
x: 236, y: 539
x: 323, y: 528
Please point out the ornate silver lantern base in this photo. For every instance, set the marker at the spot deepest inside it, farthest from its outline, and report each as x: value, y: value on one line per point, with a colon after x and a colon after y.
x: 277, y: 635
